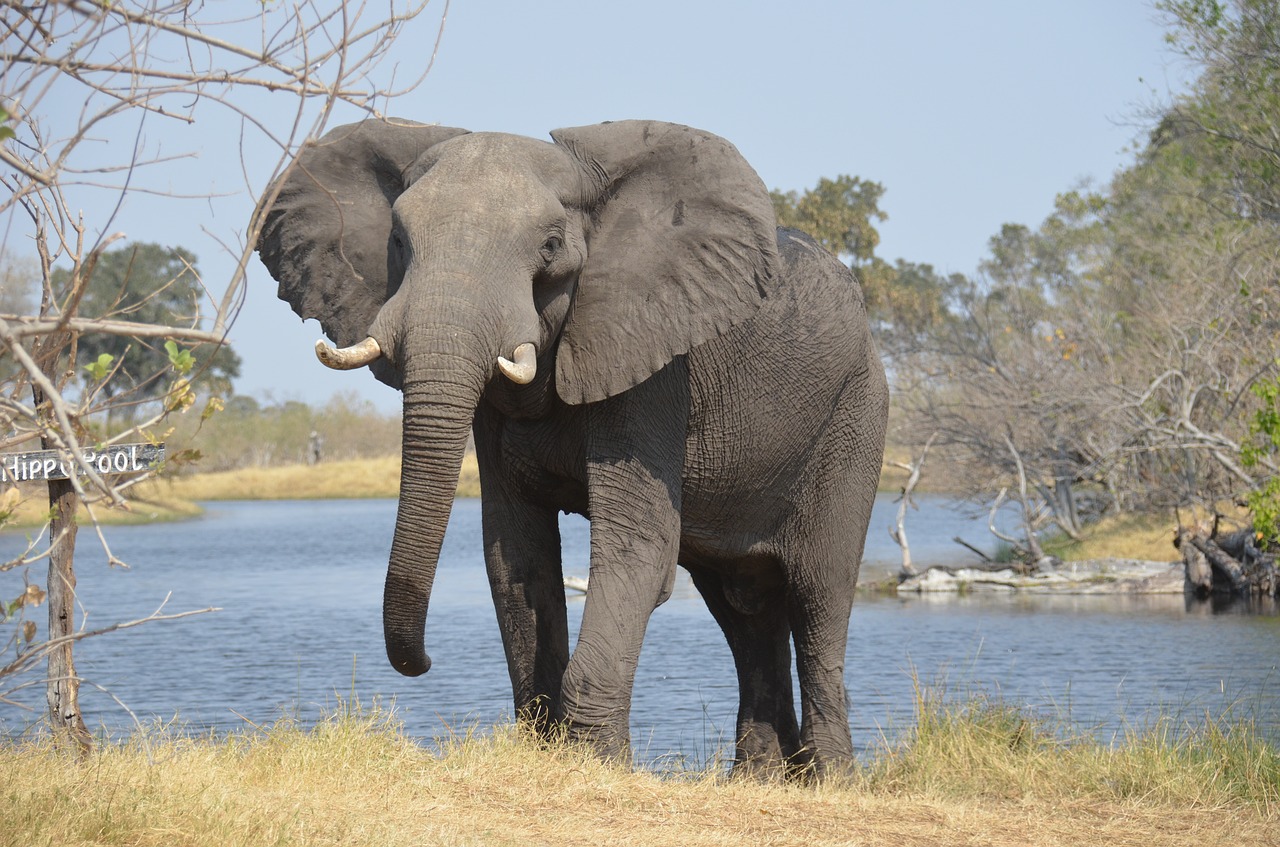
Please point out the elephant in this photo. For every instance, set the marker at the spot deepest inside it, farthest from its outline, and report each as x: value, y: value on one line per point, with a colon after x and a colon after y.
x: 616, y: 318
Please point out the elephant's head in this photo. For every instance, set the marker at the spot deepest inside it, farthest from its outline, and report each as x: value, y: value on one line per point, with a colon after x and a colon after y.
x: 448, y: 260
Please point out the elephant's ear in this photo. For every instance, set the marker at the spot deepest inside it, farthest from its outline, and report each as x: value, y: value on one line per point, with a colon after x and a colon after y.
x: 681, y: 246
x: 325, y: 236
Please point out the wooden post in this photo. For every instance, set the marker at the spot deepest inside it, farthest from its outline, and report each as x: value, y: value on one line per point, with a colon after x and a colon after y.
x: 62, y: 687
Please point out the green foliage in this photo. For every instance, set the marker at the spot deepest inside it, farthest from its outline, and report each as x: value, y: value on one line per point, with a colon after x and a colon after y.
x: 909, y: 301
x: 1264, y: 443
x: 903, y: 300
x: 1235, y: 111
x: 837, y: 213
x: 100, y: 367
x: 181, y: 360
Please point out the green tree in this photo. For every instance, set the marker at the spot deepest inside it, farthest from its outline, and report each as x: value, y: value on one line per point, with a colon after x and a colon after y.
x: 1259, y: 450
x: 1225, y: 137
x: 903, y: 299
x: 1234, y: 108
x: 19, y: 278
x: 837, y: 213
x: 148, y: 284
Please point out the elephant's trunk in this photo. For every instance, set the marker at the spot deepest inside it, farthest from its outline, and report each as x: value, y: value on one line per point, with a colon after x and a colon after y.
x: 441, y: 392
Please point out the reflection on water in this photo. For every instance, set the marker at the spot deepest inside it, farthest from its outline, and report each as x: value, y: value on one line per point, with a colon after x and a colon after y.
x: 300, y: 584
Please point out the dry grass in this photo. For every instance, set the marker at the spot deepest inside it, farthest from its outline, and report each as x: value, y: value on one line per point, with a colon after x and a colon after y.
x: 355, y: 780
x: 174, y: 498
x: 1141, y: 536
x: 1129, y: 536
x: 32, y: 509
x: 982, y: 747
x: 359, y: 478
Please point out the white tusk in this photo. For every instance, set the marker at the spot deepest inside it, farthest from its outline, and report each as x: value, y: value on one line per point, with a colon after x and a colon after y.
x: 347, y: 358
x: 524, y: 368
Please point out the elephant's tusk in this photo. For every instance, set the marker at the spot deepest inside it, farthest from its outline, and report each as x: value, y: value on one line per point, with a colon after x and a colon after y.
x: 347, y: 358
x: 524, y: 368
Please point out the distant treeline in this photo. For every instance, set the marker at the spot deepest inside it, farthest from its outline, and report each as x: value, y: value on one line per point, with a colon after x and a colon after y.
x: 249, y: 432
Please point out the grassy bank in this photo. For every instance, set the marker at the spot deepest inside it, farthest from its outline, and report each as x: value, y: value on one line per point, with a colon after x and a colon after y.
x: 977, y: 774
x: 32, y: 509
x: 174, y: 498
x: 358, y: 478
x: 1147, y: 537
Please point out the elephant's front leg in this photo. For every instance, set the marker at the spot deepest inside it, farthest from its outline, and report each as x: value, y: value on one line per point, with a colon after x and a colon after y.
x: 522, y: 556
x: 634, y: 463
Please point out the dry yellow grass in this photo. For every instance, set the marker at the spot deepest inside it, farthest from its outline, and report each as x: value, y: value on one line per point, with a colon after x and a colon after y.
x: 1138, y: 536
x: 359, y: 478
x: 32, y: 509
x: 354, y: 780
x: 1147, y: 537
x: 175, y: 498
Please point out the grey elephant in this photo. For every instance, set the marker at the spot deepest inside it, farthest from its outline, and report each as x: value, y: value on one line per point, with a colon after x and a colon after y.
x: 617, y: 318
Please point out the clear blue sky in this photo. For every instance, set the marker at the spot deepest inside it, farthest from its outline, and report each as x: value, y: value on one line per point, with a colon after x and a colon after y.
x: 970, y: 115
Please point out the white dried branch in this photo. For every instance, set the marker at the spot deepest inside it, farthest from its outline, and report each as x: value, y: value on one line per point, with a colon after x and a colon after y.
x: 26, y: 327
x: 898, y: 532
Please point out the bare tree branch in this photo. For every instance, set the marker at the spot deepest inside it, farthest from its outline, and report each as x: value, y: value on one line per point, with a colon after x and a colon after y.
x: 84, y: 86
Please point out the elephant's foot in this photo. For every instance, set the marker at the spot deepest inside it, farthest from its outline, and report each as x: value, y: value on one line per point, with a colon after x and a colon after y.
x: 609, y: 742
x: 821, y: 768
x: 538, y: 717
x: 765, y: 754
x: 804, y: 766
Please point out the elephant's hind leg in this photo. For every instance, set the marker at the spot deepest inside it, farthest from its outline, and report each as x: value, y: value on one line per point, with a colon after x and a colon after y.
x: 768, y: 737
x: 819, y: 602
x: 823, y: 552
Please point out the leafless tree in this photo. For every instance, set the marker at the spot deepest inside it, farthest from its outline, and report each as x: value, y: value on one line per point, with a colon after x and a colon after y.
x: 1111, y: 376
x: 94, y: 97
x: 906, y: 500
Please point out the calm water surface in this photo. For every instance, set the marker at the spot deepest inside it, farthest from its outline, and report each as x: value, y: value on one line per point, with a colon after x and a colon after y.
x: 300, y: 585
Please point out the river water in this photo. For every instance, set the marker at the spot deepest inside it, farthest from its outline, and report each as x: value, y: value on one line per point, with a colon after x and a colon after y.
x: 299, y: 585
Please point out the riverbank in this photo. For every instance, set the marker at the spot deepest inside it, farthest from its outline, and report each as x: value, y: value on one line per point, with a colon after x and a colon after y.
x: 175, y: 497
x: 359, y: 479
x: 973, y: 774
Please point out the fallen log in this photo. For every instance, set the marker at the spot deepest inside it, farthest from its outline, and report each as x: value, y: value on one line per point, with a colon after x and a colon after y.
x: 1230, y: 564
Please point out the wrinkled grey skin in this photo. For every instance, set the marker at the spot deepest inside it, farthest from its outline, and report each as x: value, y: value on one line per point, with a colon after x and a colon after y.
x: 707, y: 394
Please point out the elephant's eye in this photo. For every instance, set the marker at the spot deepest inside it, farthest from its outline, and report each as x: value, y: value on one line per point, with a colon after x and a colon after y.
x: 550, y: 247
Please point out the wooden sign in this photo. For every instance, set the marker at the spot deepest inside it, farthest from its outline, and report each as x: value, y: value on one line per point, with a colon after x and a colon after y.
x: 48, y: 464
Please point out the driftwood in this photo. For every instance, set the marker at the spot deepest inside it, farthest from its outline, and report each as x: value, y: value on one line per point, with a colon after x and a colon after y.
x: 1230, y: 563
x: 899, y: 532
x: 1093, y: 577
